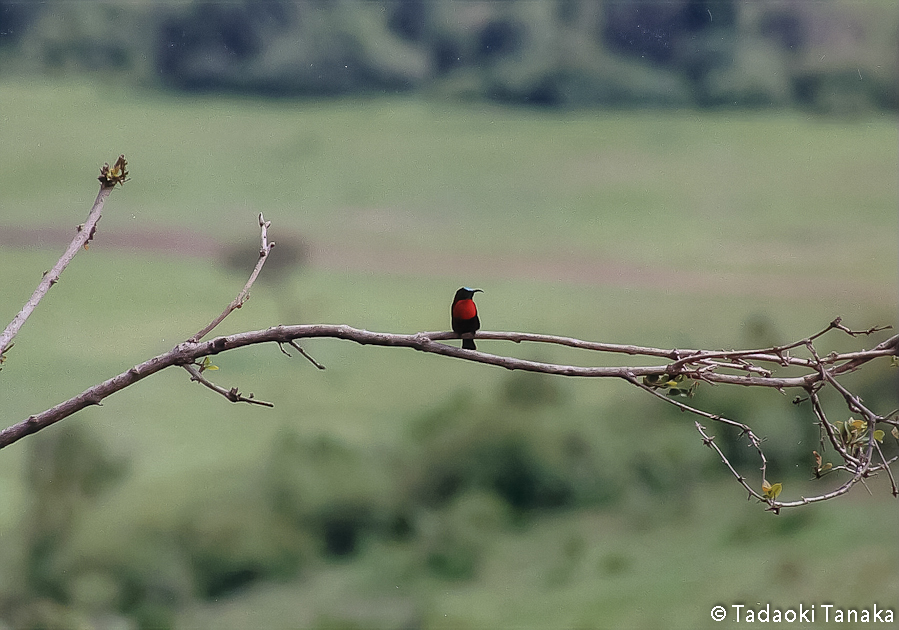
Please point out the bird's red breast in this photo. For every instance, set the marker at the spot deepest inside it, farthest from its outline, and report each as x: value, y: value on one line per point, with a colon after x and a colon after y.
x: 464, y: 309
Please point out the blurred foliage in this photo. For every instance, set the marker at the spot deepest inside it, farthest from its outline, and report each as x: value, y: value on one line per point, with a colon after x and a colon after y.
x: 454, y: 539
x: 523, y: 455
x: 233, y: 542
x: 756, y: 527
x: 68, y: 469
x: 335, y: 493
x: 826, y: 56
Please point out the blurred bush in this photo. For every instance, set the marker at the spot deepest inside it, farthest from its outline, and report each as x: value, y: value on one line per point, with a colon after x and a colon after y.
x: 283, y: 48
x: 833, y: 57
x: 231, y: 543
x: 68, y: 469
x: 452, y: 540
x: 520, y: 451
x: 470, y: 469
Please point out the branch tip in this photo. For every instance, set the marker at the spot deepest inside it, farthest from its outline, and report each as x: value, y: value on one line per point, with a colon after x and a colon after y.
x: 305, y: 354
x: 115, y: 174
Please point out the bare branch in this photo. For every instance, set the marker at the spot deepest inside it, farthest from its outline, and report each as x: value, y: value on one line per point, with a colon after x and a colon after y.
x: 710, y: 442
x: 231, y: 394
x: 304, y: 353
x: 84, y: 233
x: 856, y: 333
x: 189, y: 352
x: 244, y: 295
x: 894, y: 490
x: 829, y: 429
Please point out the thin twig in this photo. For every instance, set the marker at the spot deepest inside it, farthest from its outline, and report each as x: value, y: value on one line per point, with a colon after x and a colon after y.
x: 710, y: 442
x: 744, y: 430
x: 84, y: 233
x: 305, y: 354
x: 886, y: 465
x: 856, y: 333
x: 231, y: 394
x: 741, y: 365
x: 696, y: 355
x: 828, y: 429
x: 244, y: 295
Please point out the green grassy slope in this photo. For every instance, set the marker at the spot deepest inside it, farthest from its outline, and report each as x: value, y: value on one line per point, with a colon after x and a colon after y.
x: 779, y: 193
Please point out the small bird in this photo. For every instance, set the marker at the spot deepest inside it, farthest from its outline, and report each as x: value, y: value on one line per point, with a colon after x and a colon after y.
x: 465, y: 315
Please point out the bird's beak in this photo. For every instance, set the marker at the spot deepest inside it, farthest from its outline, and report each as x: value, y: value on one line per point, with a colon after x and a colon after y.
x: 477, y: 291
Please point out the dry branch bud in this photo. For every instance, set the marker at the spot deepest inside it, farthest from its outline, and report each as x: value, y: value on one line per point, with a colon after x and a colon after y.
x: 115, y: 174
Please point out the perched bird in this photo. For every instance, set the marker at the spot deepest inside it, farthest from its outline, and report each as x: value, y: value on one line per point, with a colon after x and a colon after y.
x: 465, y: 315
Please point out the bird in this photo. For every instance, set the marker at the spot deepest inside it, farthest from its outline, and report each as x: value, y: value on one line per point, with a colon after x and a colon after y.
x: 465, y: 315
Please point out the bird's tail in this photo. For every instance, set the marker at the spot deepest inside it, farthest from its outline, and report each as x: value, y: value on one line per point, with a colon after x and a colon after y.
x: 468, y: 344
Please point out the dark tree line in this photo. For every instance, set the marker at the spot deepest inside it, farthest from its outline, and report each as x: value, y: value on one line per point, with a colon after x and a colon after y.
x: 826, y: 56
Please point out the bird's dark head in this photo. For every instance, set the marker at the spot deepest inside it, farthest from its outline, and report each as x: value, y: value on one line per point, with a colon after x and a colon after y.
x: 465, y: 293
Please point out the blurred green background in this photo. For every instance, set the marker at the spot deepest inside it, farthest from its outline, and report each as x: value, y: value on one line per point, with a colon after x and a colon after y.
x: 625, y: 172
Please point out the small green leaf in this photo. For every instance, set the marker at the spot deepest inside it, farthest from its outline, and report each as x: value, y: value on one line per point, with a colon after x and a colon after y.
x: 771, y: 491
x: 878, y: 435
